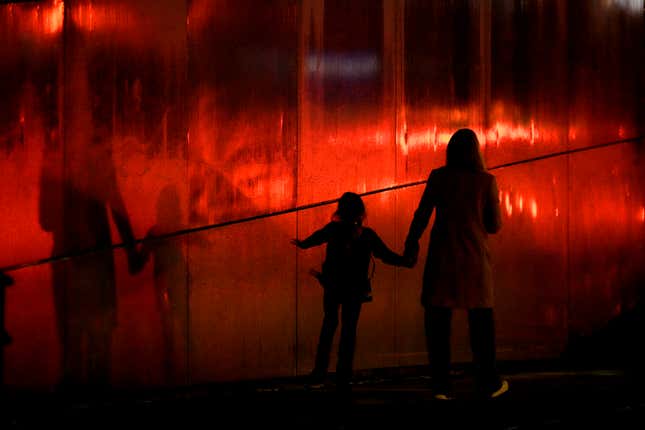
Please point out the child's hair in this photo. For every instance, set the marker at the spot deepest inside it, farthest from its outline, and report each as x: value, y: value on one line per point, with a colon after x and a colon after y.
x: 350, y: 209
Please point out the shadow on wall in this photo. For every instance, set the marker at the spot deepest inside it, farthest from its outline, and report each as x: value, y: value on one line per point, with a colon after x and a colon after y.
x: 619, y: 343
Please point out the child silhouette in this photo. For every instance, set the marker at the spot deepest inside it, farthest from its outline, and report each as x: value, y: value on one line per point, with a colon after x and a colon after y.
x: 346, y: 282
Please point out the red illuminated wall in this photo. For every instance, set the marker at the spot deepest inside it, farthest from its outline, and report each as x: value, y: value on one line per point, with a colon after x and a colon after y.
x: 159, y: 117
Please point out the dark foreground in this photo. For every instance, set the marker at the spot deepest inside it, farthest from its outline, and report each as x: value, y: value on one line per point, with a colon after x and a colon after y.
x: 541, y: 397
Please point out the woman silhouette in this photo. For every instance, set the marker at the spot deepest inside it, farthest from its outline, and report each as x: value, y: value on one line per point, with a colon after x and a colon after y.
x: 458, y: 272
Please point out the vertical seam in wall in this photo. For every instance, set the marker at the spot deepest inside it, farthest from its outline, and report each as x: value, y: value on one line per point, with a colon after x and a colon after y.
x: 570, y: 69
x: 295, y: 343
x: 187, y: 370
x: 395, y: 111
x: 63, y: 146
x: 399, y: 99
x: 568, y: 236
x: 568, y: 246
x: 299, y: 77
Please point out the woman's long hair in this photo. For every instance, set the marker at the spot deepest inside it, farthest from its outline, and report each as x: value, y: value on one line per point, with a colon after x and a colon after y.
x: 463, y: 151
x: 350, y: 209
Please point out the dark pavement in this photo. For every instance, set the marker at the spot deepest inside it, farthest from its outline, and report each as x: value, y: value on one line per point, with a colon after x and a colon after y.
x: 541, y: 397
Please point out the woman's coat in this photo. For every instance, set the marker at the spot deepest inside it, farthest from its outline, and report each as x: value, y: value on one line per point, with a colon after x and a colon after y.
x: 458, y: 270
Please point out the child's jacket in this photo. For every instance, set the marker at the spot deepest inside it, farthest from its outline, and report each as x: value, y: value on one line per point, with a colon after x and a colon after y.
x: 345, y: 271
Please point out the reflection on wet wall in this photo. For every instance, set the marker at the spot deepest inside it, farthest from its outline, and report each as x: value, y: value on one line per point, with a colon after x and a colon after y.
x: 123, y: 120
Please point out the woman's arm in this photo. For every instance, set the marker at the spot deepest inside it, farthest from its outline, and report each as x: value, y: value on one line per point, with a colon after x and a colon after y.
x: 420, y: 220
x: 122, y: 221
x: 492, y: 213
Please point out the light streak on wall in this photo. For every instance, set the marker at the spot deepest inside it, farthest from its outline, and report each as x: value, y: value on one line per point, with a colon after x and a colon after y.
x: 94, y: 16
x: 534, y: 209
x: 44, y: 18
x: 53, y: 17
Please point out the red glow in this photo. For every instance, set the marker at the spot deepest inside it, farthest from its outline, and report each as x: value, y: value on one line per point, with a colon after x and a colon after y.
x: 435, y: 137
x: 44, y: 19
x: 515, y: 202
x: 430, y: 138
x: 572, y: 134
x: 508, y: 205
x: 104, y: 18
x: 621, y: 132
x: 263, y: 151
x: 534, y: 209
x: 53, y: 17
x: 83, y: 17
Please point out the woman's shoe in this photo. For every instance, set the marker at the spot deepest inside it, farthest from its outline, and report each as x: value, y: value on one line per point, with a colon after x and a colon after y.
x: 316, y: 380
x: 501, y: 390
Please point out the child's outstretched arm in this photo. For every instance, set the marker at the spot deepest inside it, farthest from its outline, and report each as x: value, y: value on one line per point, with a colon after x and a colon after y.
x: 317, y: 238
x: 382, y: 252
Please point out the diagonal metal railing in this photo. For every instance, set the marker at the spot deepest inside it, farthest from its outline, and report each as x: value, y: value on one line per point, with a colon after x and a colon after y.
x: 193, y: 230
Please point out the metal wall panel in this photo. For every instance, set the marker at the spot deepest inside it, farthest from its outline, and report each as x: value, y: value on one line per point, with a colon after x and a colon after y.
x: 242, y: 301
x: 30, y: 123
x: 242, y: 100
x: 606, y: 240
x: 346, y: 129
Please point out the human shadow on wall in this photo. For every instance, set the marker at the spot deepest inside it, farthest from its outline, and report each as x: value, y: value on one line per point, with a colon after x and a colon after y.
x: 78, y: 196
x: 618, y: 344
x: 170, y: 272
x: 84, y: 286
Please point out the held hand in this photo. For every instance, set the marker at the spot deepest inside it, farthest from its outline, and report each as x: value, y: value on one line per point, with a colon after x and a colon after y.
x: 138, y: 256
x: 411, y: 253
x: 296, y: 242
x: 136, y: 261
x: 409, y: 262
